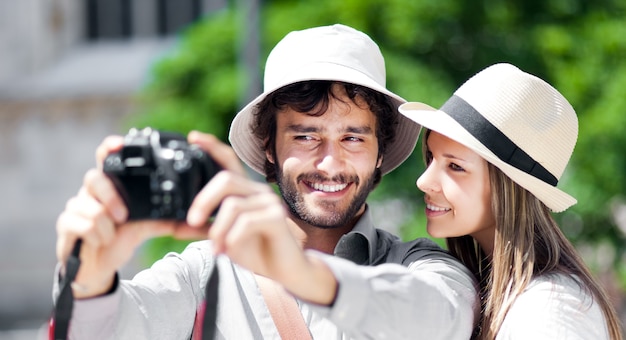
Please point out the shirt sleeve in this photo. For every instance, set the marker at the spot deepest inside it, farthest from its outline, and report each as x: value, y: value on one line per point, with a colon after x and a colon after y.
x: 158, y: 303
x: 433, y: 297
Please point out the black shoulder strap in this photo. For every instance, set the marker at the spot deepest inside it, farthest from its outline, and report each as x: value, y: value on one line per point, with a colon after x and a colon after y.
x: 210, y: 298
x: 65, y: 301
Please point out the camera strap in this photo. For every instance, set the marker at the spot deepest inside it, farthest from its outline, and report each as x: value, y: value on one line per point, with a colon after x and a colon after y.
x: 59, y: 325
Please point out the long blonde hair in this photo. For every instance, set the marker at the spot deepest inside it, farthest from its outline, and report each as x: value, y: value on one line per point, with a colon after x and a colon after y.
x: 528, y: 243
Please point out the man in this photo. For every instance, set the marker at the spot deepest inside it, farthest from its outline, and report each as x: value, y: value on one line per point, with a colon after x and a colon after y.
x: 325, y: 130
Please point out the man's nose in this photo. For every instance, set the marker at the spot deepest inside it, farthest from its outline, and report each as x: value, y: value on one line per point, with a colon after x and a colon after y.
x: 331, y: 158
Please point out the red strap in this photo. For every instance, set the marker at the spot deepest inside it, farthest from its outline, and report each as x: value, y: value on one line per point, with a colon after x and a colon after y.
x: 51, y: 329
x: 197, y: 325
x: 284, y: 310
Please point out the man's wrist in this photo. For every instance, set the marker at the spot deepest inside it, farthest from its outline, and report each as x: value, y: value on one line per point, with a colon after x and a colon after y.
x: 320, y: 286
x: 95, y: 288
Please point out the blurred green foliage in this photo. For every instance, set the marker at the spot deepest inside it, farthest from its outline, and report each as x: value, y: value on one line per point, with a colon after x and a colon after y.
x: 431, y: 47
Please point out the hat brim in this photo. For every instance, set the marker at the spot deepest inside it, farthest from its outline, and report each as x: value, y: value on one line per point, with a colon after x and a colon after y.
x: 440, y: 122
x: 250, y: 149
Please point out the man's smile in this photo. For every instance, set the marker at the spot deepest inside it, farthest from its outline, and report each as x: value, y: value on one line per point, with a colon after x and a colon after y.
x: 327, y: 187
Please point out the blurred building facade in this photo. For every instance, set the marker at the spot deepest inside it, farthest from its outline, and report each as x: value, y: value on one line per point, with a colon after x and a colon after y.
x: 68, y: 72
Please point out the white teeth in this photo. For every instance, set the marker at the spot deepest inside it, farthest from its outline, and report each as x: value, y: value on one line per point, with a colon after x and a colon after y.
x: 328, y: 188
x: 436, y: 208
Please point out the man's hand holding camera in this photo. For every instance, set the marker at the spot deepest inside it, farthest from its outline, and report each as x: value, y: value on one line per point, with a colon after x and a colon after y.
x: 98, y: 215
x: 252, y: 226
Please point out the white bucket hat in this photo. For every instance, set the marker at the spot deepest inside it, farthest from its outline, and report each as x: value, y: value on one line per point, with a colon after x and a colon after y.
x: 515, y: 121
x: 335, y: 53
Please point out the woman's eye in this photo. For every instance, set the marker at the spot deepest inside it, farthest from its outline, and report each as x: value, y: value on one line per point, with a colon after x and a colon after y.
x: 456, y: 167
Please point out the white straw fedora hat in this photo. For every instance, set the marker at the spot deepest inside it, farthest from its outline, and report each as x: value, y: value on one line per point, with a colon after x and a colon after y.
x: 336, y: 53
x: 515, y: 121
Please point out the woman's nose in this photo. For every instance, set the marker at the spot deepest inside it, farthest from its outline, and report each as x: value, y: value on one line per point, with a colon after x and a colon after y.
x: 428, y: 181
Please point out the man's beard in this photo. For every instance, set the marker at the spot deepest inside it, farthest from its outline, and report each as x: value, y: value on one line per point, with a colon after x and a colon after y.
x: 334, y: 218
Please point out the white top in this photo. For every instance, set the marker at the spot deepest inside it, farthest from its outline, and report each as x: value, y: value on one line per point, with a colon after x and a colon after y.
x: 554, y: 307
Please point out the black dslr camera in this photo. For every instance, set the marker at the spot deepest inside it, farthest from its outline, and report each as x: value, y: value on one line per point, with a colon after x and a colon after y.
x: 158, y: 173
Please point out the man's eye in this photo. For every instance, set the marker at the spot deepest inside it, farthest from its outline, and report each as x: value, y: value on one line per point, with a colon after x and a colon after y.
x: 353, y: 139
x: 303, y: 138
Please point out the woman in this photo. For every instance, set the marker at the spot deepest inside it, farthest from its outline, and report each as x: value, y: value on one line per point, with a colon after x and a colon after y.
x: 494, y: 153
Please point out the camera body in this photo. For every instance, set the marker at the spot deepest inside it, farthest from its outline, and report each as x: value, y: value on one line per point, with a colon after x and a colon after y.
x: 158, y: 173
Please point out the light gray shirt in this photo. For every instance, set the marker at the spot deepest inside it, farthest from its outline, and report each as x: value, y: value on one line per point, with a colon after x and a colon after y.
x: 388, y: 289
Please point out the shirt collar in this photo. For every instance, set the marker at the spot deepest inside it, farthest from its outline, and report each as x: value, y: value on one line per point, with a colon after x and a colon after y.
x: 359, y: 245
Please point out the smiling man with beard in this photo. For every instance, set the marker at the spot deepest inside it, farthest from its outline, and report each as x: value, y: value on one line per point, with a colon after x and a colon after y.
x: 325, y: 130
x: 326, y: 158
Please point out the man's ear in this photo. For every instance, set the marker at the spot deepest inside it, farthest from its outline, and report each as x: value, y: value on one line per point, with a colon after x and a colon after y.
x: 268, y: 153
x: 269, y: 156
x: 380, y: 161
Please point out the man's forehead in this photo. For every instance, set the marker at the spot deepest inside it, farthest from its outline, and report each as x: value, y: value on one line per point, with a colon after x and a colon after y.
x: 354, y: 119
x: 349, y: 127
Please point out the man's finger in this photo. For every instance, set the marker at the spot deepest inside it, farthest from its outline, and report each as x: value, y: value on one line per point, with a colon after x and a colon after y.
x: 98, y: 185
x: 109, y: 144
x: 223, y: 154
x: 221, y: 186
